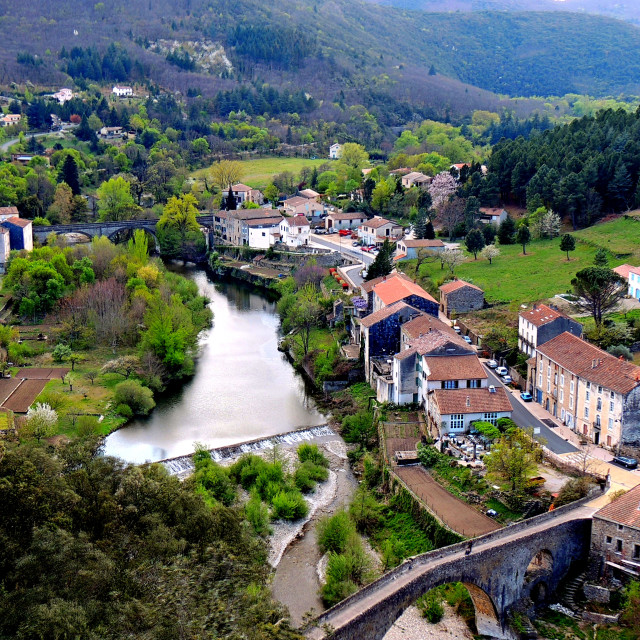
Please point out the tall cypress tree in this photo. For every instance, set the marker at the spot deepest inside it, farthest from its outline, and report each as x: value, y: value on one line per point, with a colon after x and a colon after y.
x: 69, y: 174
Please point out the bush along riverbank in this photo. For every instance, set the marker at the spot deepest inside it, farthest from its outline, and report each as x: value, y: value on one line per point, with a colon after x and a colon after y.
x: 123, y: 324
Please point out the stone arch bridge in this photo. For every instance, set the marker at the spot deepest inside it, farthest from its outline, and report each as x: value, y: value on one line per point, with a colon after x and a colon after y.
x: 527, y: 559
x: 110, y: 229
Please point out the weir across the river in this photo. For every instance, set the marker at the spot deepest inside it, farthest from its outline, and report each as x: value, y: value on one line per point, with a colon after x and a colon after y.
x: 183, y: 465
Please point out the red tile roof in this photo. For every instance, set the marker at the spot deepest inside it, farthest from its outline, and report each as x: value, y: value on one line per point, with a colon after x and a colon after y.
x: 472, y: 401
x: 436, y: 340
x: 454, y: 285
x: 376, y: 223
x: 590, y: 363
x: 347, y: 216
x: 19, y: 222
x: 541, y: 314
x: 455, y: 367
x: 297, y: 221
x: 368, y: 285
x: 625, y: 510
x: 394, y: 289
x: 384, y: 313
x: 9, y: 211
x: 240, y: 188
x: 415, y: 244
x: 623, y: 270
x: 491, y: 211
x: 423, y: 324
x: 401, y: 256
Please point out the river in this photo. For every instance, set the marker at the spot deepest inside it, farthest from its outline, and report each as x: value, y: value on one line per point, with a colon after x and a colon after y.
x: 243, y: 387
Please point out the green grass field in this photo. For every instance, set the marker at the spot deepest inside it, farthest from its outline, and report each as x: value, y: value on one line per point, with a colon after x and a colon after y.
x: 259, y: 171
x: 620, y: 236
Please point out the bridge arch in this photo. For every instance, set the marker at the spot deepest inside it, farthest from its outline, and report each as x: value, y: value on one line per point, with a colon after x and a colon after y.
x: 62, y: 234
x: 151, y: 231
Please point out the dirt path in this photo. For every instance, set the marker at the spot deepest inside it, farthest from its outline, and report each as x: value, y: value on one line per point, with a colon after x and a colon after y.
x: 455, y: 513
x: 295, y: 581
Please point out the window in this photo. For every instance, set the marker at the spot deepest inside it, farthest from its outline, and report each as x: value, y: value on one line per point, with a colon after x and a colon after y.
x: 618, y: 545
x: 586, y: 412
x: 599, y: 389
x: 491, y: 417
x: 562, y: 415
x: 555, y: 378
x: 599, y: 405
x: 473, y: 384
x: 588, y: 385
x: 611, y: 406
x: 636, y: 551
x: 562, y: 379
x: 571, y: 400
x: 609, y: 540
x: 540, y: 380
x: 450, y: 384
x: 612, y: 395
x: 561, y: 395
x: 610, y: 425
x: 571, y: 387
x: 457, y: 421
x: 587, y: 396
x: 598, y: 421
x: 620, y: 527
x: 569, y: 420
x: 548, y: 386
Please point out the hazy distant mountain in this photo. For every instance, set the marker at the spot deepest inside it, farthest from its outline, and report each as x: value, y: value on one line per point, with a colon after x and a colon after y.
x: 625, y: 10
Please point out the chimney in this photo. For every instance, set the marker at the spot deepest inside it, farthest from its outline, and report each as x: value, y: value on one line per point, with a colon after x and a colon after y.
x: 621, y: 358
x: 601, y: 360
x: 594, y: 364
x: 468, y: 401
x: 384, y: 278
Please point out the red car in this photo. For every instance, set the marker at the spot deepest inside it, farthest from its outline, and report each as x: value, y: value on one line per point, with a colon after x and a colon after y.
x: 344, y: 232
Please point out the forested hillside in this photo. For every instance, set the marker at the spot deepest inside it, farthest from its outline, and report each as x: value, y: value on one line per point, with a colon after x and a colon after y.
x: 583, y: 170
x: 334, y: 50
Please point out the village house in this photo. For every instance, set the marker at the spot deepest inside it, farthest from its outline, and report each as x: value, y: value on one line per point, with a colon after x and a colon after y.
x: 108, y: 133
x: 588, y: 389
x: 402, y: 171
x: 5, y: 248
x: 408, y: 249
x: 453, y: 411
x: 310, y: 194
x: 377, y: 230
x: 122, y: 91
x: 64, y: 95
x: 237, y: 227
x: 335, y: 151
x: 615, y: 538
x: 337, y: 221
x: 294, y: 231
x: 490, y: 215
x: 366, y: 288
x: 242, y: 193
x: 264, y: 232
x: 298, y: 205
x: 9, y: 212
x: 392, y: 290
x: 459, y: 296
x: 542, y: 323
x: 380, y: 332
x: 415, y: 179
x: 220, y: 224
x: 10, y: 119
x: 634, y: 282
x: 20, y: 233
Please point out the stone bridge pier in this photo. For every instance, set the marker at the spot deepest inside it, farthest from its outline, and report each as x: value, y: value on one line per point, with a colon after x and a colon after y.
x: 527, y: 560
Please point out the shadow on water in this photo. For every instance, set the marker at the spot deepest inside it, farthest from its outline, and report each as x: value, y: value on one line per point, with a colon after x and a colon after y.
x: 243, y: 387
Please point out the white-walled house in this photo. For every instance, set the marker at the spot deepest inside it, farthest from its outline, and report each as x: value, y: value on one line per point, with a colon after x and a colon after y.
x: 263, y: 233
x: 495, y: 215
x: 335, y: 151
x: 634, y: 282
x: 377, y: 230
x: 298, y: 205
x: 408, y: 249
x: 541, y: 324
x: 5, y: 248
x: 122, y: 91
x: 294, y: 231
x: 344, y: 220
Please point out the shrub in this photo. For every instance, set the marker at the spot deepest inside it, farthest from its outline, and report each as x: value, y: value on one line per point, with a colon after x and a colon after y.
x: 87, y: 425
x: 430, y: 606
x: 61, y: 353
x: 269, y: 480
x: 258, y: 515
x: 132, y: 393
x: 429, y: 456
x: 372, y: 473
x: 289, y: 505
x: 573, y: 490
x: 333, y: 592
x: 213, y: 479
x: 124, y: 410
x: 359, y: 429
x: 345, y: 571
x: 303, y: 480
x: 334, y: 532
x: 312, y: 452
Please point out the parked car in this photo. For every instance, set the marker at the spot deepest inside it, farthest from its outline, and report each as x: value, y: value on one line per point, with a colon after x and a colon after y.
x: 492, y: 513
x: 492, y: 364
x: 344, y: 232
x: 367, y: 249
x: 467, y: 339
x: 526, y: 396
x: 502, y: 371
x: 629, y: 463
x: 354, y: 244
x: 507, y: 379
x: 456, y: 328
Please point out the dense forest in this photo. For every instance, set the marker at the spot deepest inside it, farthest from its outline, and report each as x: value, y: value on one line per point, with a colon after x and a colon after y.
x: 581, y: 170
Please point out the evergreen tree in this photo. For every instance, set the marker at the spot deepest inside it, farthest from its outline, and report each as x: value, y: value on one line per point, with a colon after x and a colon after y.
x: 474, y: 242
x: 231, y: 201
x: 620, y: 186
x: 430, y: 232
x: 523, y: 237
x: 489, y: 232
x: 506, y: 231
x: 601, y: 259
x: 567, y: 243
x: 420, y: 226
x: 69, y: 174
x: 382, y: 265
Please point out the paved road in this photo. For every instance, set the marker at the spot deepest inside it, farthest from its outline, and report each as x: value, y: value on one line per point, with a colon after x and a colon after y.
x: 524, y: 418
x: 5, y: 146
x: 346, y: 248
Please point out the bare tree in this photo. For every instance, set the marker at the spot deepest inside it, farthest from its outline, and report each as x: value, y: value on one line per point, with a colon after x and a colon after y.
x: 452, y: 214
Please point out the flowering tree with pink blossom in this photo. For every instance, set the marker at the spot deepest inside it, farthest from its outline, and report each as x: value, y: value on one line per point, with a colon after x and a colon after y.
x: 441, y: 188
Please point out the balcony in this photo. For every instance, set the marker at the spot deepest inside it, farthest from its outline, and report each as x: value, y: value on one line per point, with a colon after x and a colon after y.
x: 596, y: 425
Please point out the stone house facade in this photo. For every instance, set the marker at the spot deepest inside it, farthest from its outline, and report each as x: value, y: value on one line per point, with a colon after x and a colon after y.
x: 541, y: 324
x: 459, y: 296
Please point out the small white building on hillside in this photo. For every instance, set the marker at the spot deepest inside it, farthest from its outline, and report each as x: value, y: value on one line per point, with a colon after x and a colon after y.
x: 335, y: 151
x: 294, y: 232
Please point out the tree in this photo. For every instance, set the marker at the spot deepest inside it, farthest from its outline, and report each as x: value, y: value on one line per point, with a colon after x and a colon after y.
x: 452, y: 215
x: 115, y: 200
x: 549, y: 225
x: 305, y: 315
x: 489, y: 232
x: 138, y: 398
x: 226, y: 173
x: 138, y: 246
x: 598, y: 289
x: 40, y: 422
x: 601, y: 259
x: 61, y: 353
x: 567, y: 243
x: 382, y: 265
x: 451, y: 258
x: 124, y: 365
x: 91, y: 375
x: 420, y: 226
x: 474, y: 242
x: 69, y: 174
x: 354, y: 155
x: 513, y: 458
x: 272, y: 194
x: 523, y: 237
x: 441, y: 188
x: 179, y: 233
x: 62, y: 206
x: 506, y: 231
x: 490, y: 252
x: 430, y: 232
